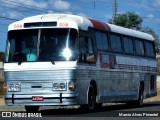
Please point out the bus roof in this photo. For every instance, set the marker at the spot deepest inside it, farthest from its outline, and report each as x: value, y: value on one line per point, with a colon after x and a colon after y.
x: 77, y: 22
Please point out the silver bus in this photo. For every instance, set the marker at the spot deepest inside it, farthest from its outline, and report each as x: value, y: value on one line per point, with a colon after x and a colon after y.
x: 62, y: 59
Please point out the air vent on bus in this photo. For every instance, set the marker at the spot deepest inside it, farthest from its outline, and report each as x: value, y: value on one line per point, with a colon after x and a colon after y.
x: 40, y: 24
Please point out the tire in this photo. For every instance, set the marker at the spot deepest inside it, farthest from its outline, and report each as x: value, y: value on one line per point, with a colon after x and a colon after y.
x: 91, y: 98
x: 139, y: 102
x: 32, y: 109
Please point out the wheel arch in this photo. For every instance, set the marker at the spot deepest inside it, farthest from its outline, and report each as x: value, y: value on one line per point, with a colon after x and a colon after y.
x: 93, y: 83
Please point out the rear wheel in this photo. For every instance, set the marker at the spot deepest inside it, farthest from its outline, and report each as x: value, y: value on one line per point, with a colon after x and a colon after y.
x: 139, y: 102
x: 91, y: 98
x: 32, y: 109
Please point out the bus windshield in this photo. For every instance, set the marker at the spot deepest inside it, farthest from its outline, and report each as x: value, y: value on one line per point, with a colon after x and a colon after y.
x: 41, y: 45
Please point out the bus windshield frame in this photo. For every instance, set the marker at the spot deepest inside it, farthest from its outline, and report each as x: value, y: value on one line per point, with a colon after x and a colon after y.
x: 40, y: 45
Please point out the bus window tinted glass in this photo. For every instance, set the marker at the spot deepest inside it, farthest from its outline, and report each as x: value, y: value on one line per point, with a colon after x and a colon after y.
x: 139, y: 47
x: 128, y: 45
x: 115, y: 43
x: 102, y: 41
x: 149, y: 49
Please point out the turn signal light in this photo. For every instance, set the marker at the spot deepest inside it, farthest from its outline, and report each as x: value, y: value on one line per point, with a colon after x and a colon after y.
x: 71, y: 86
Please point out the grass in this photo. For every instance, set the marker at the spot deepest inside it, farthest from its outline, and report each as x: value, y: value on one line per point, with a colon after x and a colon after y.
x: 1, y: 89
x: 156, y: 98
x: 158, y: 93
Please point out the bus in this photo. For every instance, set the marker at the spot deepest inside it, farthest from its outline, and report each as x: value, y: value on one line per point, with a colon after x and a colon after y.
x: 64, y: 59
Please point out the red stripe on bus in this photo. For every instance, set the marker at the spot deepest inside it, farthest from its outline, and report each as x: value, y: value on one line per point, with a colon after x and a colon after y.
x: 98, y: 24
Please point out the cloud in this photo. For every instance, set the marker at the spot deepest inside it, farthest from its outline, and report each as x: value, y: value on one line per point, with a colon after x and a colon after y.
x: 24, y: 3
x: 61, y: 5
x: 23, y: 8
x: 156, y: 3
x: 150, y: 15
x: 12, y: 14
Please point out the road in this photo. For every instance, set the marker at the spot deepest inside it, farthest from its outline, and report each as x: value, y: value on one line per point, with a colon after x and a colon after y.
x: 111, y: 111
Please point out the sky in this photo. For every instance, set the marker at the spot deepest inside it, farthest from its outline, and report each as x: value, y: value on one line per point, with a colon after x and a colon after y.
x: 102, y: 10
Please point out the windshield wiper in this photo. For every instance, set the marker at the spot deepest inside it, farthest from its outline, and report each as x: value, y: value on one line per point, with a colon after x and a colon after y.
x: 53, y: 63
x: 19, y: 62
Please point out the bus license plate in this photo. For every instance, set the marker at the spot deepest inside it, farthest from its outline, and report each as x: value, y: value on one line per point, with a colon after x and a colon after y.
x: 37, y: 98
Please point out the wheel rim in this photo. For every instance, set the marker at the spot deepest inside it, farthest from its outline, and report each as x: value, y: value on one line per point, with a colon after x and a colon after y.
x: 91, y: 98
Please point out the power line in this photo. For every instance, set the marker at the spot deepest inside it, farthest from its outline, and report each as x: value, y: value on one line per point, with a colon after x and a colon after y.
x: 3, y: 32
x: 35, y: 8
x: 39, y: 9
x: 8, y: 18
x: 12, y: 3
x: 3, y: 24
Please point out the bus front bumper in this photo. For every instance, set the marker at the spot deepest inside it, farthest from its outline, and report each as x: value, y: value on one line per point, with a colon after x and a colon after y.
x: 41, y: 99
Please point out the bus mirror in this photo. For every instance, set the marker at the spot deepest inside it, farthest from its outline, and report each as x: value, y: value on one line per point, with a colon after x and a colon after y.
x: 90, y: 58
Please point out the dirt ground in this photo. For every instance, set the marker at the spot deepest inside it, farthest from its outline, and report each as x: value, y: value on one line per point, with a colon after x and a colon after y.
x: 2, y: 101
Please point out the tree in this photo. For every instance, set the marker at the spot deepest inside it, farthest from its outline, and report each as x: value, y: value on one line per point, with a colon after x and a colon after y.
x: 1, y: 56
x: 153, y: 33
x: 133, y: 21
x: 129, y: 20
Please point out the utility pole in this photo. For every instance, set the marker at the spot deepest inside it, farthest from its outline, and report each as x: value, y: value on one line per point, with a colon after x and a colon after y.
x: 114, y: 11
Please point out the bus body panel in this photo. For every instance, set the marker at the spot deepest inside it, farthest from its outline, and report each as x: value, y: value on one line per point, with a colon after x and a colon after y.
x: 117, y: 76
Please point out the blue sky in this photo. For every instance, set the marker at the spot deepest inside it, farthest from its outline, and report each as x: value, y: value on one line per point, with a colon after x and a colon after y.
x: 97, y: 9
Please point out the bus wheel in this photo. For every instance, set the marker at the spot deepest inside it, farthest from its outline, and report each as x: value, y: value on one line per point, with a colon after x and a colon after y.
x: 139, y: 102
x: 91, y: 98
x: 32, y: 109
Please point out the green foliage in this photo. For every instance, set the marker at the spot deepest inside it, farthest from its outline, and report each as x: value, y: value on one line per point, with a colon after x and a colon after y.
x: 129, y: 20
x: 158, y: 66
x: 153, y: 33
x: 133, y: 21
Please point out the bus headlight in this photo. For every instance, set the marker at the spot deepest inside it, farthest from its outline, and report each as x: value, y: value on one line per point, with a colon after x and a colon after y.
x: 55, y: 86
x: 62, y: 86
x: 14, y: 87
x: 59, y: 86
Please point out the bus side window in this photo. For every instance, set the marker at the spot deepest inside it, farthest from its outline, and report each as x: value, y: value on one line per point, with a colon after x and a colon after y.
x: 90, y: 52
x: 102, y: 41
x: 115, y: 41
x: 139, y: 47
x: 86, y: 50
x: 149, y: 49
x: 128, y: 45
